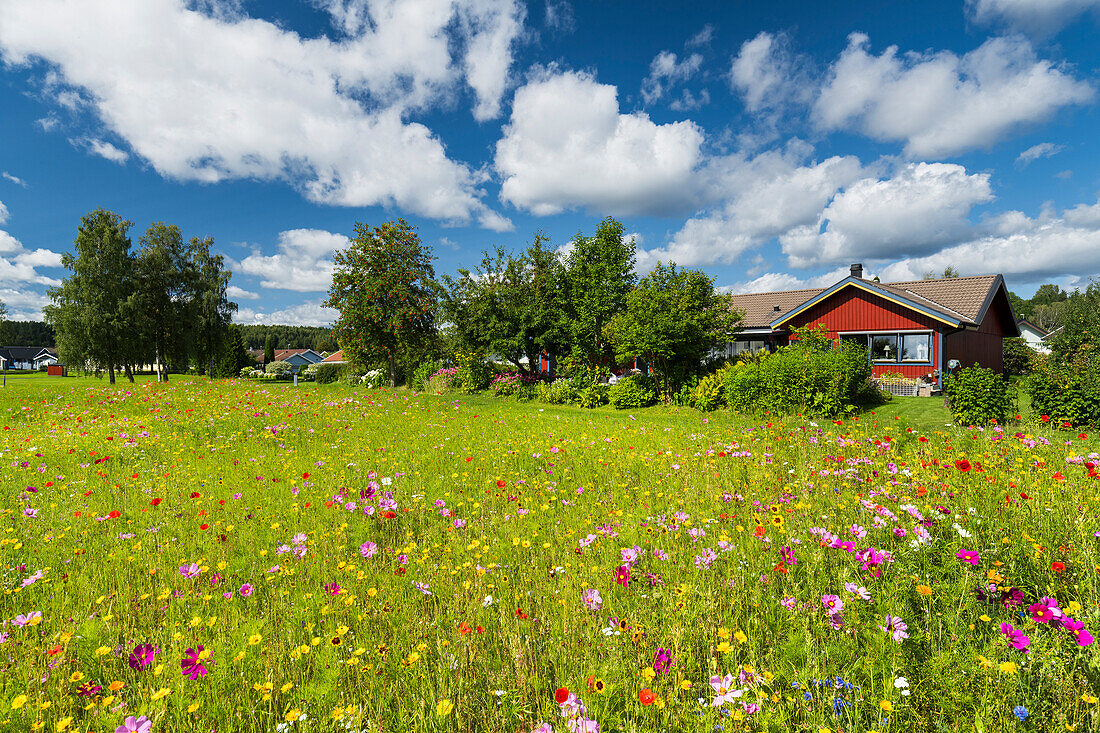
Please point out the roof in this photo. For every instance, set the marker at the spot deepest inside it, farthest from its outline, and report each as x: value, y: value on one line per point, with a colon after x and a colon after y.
x: 336, y: 357
x: 284, y: 354
x: 1033, y: 327
x: 26, y: 353
x: 957, y: 300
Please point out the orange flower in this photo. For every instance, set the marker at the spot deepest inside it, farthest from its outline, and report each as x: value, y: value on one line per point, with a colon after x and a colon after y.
x: 646, y: 697
x: 1057, y: 566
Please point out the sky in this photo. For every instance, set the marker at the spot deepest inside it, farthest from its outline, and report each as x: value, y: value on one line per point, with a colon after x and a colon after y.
x: 769, y: 144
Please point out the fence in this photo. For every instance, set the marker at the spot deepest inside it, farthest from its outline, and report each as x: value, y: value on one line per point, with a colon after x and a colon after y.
x: 899, y: 387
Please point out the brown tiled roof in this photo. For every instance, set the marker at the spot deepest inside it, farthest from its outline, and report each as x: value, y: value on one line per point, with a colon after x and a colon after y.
x: 960, y: 298
x: 335, y: 357
x: 281, y: 354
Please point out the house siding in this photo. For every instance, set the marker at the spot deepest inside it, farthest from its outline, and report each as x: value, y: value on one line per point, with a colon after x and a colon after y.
x: 851, y: 310
x: 983, y: 346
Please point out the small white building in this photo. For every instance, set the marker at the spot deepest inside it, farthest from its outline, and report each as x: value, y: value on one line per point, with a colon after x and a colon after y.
x: 1033, y: 336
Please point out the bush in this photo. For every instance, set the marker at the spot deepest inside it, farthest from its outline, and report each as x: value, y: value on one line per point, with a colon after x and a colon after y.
x: 473, y: 371
x: 279, y: 369
x: 558, y: 392
x: 373, y: 379
x: 632, y: 392
x: 327, y: 373
x: 309, y: 374
x: 803, y: 377
x: 1017, y: 356
x: 709, y: 394
x: 526, y: 392
x: 593, y: 396
x: 246, y: 372
x: 978, y: 395
x: 1066, y: 393
x: 423, y: 372
x: 444, y: 380
x: 352, y: 375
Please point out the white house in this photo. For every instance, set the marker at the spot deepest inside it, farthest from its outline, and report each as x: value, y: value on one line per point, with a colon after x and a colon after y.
x: 1033, y: 336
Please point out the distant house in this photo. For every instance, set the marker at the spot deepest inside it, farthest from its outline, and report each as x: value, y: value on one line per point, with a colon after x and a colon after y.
x: 336, y: 357
x: 258, y: 355
x: 913, y: 328
x: 297, y: 358
x: 1033, y: 336
x: 27, y: 357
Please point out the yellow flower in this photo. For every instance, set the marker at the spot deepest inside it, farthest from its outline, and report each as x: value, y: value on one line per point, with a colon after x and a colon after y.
x: 286, y: 687
x: 303, y: 649
x: 985, y: 663
x: 239, y: 657
x: 1090, y: 699
x: 18, y: 701
x: 886, y: 705
x: 985, y: 618
x: 76, y: 677
x: 116, y: 685
x: 193, y: 707
x: 1007, y: 667
x: 648, y: 674
x: 444, y: 707
x: 102, y: 650
x: 685, y: 685
x: 740, y: 637
x: 162, y: 692
x: 255, y: 639
x: 63, y: 723
x: 725, y: 647
x: 924, y: 590
x: 723, y: 633
x: 292, y: 715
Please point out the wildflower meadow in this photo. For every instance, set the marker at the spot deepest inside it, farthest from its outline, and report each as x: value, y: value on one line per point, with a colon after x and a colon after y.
x: 242, y: 556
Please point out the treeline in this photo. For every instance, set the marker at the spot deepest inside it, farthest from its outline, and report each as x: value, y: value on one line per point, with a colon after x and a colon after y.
x: 163, y: 304
x: 318, y: 338
x: 28, y: 333
x: 1047, y: 309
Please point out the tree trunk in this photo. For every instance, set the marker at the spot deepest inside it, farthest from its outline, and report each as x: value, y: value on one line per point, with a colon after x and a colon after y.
x: 111, y: 371
x: 393, y: 371
x: 211, y: 370
x: 129, y: 372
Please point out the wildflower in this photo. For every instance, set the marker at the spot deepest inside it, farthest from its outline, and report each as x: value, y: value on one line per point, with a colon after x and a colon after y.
x: 190, y: 571
x: 18, y: 701
x: 1075, y: 627
x: 963, y: 465
x: 142, y: 656
x: 902, y: 684
x: 622, y: 575
x: 1016, y: 638
x: 1007, y: 667
x: 1020, y: 712
x: 832, y: 603
x: 368, y: 549
x: 561, y: 695
x: 970, y: 556
x: 245, y: 590
x: 886, y: 705
x: 444, y: 707
x: 646, y: 697
x: 1045, y: 611
x: 192, y: 664
x: 31, y: 619
x: 254, y: 639
x: 723, y: 689
x: 662, y: 660
x: 592, y: 599
x: 896, y: 628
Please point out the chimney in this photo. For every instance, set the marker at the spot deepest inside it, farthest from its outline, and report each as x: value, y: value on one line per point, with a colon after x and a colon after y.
x: 857, y: 270
x: 775, y: 309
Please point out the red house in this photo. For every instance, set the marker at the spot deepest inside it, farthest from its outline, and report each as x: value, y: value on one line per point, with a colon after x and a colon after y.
x: 913, y: 328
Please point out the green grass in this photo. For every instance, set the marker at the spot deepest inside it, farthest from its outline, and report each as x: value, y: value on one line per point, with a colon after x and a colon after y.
x: 471, y: 611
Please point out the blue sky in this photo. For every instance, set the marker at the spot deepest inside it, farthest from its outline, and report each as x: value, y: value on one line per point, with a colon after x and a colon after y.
x: 769, y: 144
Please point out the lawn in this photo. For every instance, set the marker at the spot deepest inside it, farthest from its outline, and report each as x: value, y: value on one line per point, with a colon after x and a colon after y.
x: 238, y: 556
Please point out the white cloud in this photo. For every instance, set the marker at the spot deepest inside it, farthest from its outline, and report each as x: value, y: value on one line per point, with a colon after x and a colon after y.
x: 3, y: 213
x: 18, y: 265
x: 763, y: 197
x: 240, y: 293
x: 940, y: 104
x: 768, y: 75
x: 1021, y: 247
x: 23, y: 304
x: 922, y: 207
x: 14, y: 179
x: 213, y: 97
x: 702, y: 38
x: 1038, y: 17
x: 559, y: 16
x: 771, y: 282
x: 311, y: 313
x: 1042, y: 150
x: 104, y: 149
x: 303, y: 262
x: 568, y: 146
x: 667, y: 70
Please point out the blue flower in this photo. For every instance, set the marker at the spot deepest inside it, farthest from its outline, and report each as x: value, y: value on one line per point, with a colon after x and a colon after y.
x: 1020, y: 712
x: 838, y: 705
x: 807, y: 696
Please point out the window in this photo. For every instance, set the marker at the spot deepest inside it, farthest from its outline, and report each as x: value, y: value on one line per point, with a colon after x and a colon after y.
x: 858, y: 338
x: 916, y: 347
x: 884, y: 347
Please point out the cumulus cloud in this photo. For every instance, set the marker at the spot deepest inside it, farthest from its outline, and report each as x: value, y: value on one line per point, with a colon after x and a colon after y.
x: 310, y: 313
x: 303, y: 262
x: 3, y: 213
x: 1038, y: 17
x: 919, y: 209
x: 19, y: 265
x: 106, y: 150
x: 1042, y: 150
x: 667, y: 70
x: 567, y: 145
x: 214, y: 96
x: 771, y: 282
x: 1019, y: 246
x: 763, y: 197
x: 23, y: 304
x: 240, y: 293
x: 941, y: 104
x: 768, y: 75
x: 559, y: 16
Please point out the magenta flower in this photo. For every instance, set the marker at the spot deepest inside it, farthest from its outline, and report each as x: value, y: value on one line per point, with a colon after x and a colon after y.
x: 192, y: 665
x: 1016, y: 638
x: 1045, y: 611
x: 245, y: 590
x: 332, y: 589
x: 896, y: 628
x: 832, y: 603
x: 662, y: 660
x: 28, y: 619
x: 592, y: 600
x: 190, y: 571
x: 622, y: 575
x: 142, y: 656
x: 368, y: 549
x: 1075, y: 627
x: 970, y: 556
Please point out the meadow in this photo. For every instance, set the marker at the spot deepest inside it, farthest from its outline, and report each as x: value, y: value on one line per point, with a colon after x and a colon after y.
x: 233, y: 556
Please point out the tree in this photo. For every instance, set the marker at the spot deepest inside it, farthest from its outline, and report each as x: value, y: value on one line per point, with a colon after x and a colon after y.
x: 89, y: 311
x: 211, y: 310
x: 600, y: 274
x: 513, y: 306
x: 3, y: 323
x: 672, y: 320
x: 269, y: 350
x: 948, y: 272
x: 163, y: 280
x: 1080, y: 334
x: 384, y: 287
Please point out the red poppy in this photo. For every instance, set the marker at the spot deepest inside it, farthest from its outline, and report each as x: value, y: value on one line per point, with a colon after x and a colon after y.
x: 469, y: 458
x: 195, y: 495
x: 464, y: 628
x: 561, y: 695
x: 646, y: 697
x: 500, y: 483
x: 204, y: 526
x: 156, y: 502
x: 390, y: 514
x: 1045, y: 418
x: 399, y: 571
x: 962, y: 465
x: 1057, y: 566
x: 115, y: 514
x: 305, y: 476
x: 480, y: 629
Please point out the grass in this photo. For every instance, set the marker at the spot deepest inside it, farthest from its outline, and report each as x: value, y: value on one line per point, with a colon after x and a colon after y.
x: 337, y: 559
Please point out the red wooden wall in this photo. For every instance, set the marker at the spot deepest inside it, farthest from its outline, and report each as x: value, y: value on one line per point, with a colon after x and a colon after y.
x: 983, y: 346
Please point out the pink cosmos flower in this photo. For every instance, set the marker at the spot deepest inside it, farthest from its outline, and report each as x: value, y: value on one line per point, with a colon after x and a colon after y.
x: 592, y: 600
x: 622, y: 575
x: 832, y: 603
x: 1075, y: 627
x: 896, y: 628
x: 135, y: 725
x: 192, y: 665
x: 970, y: 556
x: 24, y: 620
x: 1016, y: 638
x: 662, y: 661
x: 245, y: 590
x: 1045, y: 611
x: 723, y: 690
x: 142, y: 656
x: 190, y: 571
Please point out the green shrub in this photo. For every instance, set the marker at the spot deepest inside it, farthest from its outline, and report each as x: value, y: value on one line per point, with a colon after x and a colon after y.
x: 709, y: 394
x: 558, y: 392
x: 1017, y: 356
x: 1066, y: 393
x: 473, y: 371
x: 632, y: 393
x: 423, y: 372
x: 593, y: 396
x: 685, y: 396
x: 353, y: 375
x: 327, y: 373
x: 978, y: 395
x: 279, y: 369
x: 804, y: 377
x: 246, y: 372
x: 527, y: 392
x: 308, y: 374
